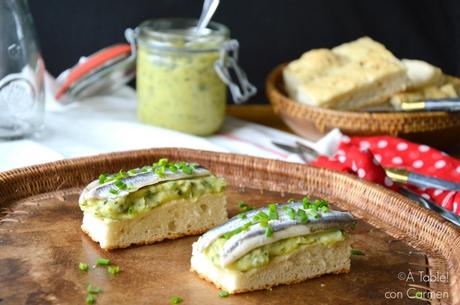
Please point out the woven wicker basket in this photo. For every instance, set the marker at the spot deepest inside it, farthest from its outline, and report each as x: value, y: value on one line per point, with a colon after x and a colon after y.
x: 439, y: 129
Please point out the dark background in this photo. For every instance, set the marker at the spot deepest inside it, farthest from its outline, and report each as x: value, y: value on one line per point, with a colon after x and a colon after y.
x: 270, y: 31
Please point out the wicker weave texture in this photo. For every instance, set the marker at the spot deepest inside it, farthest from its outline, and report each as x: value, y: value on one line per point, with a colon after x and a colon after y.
x: 362, y: 123
x: 389, y: 211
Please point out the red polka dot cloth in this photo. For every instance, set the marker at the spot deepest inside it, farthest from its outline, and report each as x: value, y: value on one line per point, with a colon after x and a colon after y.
x: 365, y: 156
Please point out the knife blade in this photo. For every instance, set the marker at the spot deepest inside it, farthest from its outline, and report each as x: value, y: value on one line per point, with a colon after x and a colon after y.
x: 446, y: 214
x: 407, y: 177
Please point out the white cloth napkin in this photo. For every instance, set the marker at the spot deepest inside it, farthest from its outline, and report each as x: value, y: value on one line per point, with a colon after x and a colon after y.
x: 108, y: 123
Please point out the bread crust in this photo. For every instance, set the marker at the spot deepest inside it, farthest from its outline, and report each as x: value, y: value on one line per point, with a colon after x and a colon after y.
x: 148, y: 242
x: 204, y: 277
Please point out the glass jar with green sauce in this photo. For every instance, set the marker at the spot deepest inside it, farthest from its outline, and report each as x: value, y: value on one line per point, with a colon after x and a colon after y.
x: 178, y: 86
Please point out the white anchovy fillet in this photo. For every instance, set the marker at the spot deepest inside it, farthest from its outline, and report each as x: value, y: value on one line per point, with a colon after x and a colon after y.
x: 285, y: 227
x: 95, y: 190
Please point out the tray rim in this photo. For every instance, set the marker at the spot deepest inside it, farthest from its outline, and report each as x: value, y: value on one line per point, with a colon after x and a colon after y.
x: 398, y: 216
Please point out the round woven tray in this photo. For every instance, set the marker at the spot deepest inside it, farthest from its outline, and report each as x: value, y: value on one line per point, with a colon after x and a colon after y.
x: 438, y: 129
x: 40, y: 198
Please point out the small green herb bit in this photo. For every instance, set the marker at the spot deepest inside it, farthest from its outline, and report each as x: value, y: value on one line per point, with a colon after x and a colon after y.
x: 306, y: 203
x: 260, y: 217
x: 175, y: 300
x: 173, y: 168
x: 273, y: 211
x: 163, y: 162
x: 291, y: 213
x: 223, y: 294
x: 356, y: 252
x: 244, y: 207
x: 103, y: 262
x: 188, y: 170
x: 121, y: 185
x: 90, y: 299
x: 302, y: 216
x: 83, y: 266
x: 114, y: 269
x: 102, y: 178
x: 269, y: 231
x: 160, y: 171
x: 90, y: 289
x: 114, y: 191
x: 132, y: 172
x: 242, y: 216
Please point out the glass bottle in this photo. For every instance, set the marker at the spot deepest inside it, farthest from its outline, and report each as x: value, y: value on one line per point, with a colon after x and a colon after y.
x: 21, y: 72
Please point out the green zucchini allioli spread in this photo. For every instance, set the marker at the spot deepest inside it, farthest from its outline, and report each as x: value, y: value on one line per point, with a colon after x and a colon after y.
x: 149, y: 197
x: 262, y: 255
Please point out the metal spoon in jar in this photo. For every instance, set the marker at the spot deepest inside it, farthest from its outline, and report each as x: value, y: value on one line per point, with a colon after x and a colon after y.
x: 209, y: 8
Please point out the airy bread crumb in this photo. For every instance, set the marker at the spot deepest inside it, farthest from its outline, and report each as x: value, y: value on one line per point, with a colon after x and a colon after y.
x: 304, y: 263
x: 170, y: 220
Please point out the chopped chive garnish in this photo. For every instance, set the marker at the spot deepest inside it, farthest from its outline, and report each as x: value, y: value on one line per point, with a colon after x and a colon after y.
x: 260, y: 216
x: 162, y: 162
x: 324, y: 209
x: 132, y: 172
x: 102, y: 178
x: 302, y: 216
x: 173, y: 168
x: 290, y: 212
x: 175, y: 300
x: 242, y: 216
x: 160, y: 171
x: 120, y: 184
x: 114, y: 269
x: 223, y: 294
x: 90, y: 299
x: 103, y: 262
x: 244, y: 207
x: 306, y: 203
x: 356, y: 252
x: 83, y: 266
x: 268, y: 231
x: 272, y: 211
x: 187, y: 169
x: 90, y: 289
x: 313, y: 213
x: 114, y: 191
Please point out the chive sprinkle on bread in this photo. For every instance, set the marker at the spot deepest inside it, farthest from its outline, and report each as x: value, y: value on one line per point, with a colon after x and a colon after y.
x: 280, y: 244
x: 144, y: 205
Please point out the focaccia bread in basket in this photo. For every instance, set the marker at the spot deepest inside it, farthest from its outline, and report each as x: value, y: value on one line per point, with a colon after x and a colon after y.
x: 351, y: 76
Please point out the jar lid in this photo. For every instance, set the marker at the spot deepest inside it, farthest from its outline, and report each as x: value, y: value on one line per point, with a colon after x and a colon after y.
x: 105, y: 70
x: 178, y: 34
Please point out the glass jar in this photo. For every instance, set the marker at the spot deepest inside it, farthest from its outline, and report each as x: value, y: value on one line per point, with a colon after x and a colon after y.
x: 178, y: 86
x: 21, y: 72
